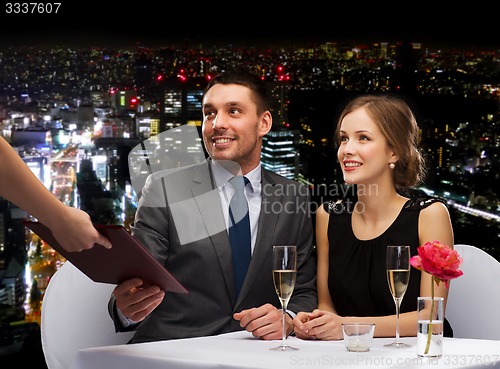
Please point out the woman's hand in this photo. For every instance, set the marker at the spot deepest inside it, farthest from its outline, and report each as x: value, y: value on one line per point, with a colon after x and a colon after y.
x: 298, y: 326
x: 319, y: 324
x: 74, y: 230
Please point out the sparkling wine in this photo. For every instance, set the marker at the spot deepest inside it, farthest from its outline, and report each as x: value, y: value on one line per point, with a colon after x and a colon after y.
x: 284, y: 274
x: 284, y: 283
x: 398, y: 281
x: 398, y: 275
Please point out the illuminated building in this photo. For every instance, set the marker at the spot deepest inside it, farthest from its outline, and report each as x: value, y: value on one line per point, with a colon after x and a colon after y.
x: 280, y: 153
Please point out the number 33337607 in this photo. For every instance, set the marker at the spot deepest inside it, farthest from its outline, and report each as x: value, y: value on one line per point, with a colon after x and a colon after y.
x: 32, y: 8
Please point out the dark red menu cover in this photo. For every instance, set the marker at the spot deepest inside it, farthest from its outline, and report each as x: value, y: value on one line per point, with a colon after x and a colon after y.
x: 127, y: 259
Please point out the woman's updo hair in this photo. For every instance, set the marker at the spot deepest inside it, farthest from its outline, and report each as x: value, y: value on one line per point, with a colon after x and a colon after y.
x: 398, y: 124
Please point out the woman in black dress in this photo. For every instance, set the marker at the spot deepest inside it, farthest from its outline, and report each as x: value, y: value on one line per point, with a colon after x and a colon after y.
x: 377, y: 150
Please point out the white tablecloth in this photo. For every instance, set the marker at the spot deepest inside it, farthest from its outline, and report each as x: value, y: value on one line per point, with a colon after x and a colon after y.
x: 241, y: 350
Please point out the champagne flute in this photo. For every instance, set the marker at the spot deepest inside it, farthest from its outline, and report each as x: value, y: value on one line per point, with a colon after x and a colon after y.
x: 398, y: 276
x: 284, y: 274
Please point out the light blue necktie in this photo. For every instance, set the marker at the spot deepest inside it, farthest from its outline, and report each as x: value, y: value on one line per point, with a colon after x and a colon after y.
x: 239, y: 231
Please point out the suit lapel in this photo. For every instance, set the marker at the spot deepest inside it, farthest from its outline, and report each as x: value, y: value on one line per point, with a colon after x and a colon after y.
x: 207, y: 199
x: 265, y: 233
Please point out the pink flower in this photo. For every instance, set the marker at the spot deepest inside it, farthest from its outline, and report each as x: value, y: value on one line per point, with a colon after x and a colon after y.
x: 439, y: 260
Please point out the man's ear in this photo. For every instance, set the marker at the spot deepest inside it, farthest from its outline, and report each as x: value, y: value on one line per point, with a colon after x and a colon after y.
x: 266, y: 123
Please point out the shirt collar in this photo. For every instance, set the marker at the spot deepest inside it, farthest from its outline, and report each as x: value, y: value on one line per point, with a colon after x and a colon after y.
x: 222, y: 176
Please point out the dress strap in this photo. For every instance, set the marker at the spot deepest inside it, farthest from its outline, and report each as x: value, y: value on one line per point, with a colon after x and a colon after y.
x: 346, y: 205
x: 421, y: 202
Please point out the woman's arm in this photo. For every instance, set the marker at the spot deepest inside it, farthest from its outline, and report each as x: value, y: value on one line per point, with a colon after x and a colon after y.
x: 71, y: 227
x: 322, y: 249
x: 434, y: 224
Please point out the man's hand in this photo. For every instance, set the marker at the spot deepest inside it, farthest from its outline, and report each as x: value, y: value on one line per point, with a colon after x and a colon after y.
x: 137, y: 302
x: 264, y: 322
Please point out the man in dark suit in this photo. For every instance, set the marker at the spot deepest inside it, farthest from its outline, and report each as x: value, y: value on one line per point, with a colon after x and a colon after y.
x: 183, y: 219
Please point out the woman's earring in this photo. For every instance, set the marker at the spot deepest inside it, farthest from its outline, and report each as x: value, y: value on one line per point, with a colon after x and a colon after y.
x: 392, y: 165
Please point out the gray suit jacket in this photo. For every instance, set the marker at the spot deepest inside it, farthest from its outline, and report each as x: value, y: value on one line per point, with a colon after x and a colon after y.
x: 180, y: 220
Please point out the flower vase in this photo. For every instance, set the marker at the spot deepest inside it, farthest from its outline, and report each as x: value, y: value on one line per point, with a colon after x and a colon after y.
x: 430, y: 326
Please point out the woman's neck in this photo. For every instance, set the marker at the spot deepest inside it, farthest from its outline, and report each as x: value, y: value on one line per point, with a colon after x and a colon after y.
x: 374, y: 200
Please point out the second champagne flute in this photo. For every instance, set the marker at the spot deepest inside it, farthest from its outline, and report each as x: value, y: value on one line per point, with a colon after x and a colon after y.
x: 284, y: 275
x: 398, y: 276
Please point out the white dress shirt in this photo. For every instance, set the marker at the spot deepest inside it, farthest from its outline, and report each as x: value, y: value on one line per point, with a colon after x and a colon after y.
x: 252, y: 193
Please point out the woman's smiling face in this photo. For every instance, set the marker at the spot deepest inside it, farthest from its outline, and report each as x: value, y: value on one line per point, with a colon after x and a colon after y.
x: 363, y: 153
